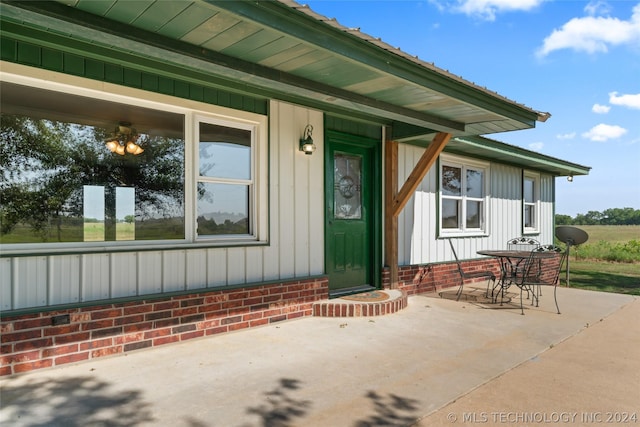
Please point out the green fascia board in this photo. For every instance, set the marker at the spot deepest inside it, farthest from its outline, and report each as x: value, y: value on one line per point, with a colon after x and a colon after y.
x: 520, y: 156
x: 275, y: 14
x: 403, y: 132
x: 150, y: 52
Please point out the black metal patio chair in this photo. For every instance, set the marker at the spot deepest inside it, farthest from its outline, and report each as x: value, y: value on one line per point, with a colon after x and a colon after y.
x: 471, y: 275
x: 541, y: 268
x: 522, y: 243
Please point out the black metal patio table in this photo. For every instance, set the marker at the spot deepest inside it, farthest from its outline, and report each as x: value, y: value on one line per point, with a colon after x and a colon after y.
x: 510, y: 262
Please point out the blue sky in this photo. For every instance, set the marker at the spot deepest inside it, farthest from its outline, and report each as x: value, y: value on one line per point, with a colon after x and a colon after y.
x: 578, y: 60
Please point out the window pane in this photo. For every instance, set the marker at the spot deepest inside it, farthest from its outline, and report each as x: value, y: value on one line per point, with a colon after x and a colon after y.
x: 451, y: 181
x: 63, y: 159
x: 125, y: 213
x: 93, y: 202
x: 474, y: 214
x: 528, y: 190
x: 529, y: 216
x: 450, y: 213
x: 224, y: 152
x: 347, y: 194
x: 475, y: 183
x: 223, y: 209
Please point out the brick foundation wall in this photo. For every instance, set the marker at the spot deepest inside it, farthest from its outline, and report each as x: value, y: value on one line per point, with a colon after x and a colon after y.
x: 425, y: 278
x: 33, y: 341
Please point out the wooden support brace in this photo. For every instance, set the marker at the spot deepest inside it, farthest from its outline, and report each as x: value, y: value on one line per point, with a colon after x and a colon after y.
x: 396, y: 201
x: 419, y: 171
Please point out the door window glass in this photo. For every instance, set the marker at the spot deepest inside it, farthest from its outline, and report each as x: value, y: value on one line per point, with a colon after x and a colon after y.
x: 347, y: 194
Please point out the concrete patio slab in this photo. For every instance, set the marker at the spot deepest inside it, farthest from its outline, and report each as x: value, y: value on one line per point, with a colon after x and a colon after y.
x: 385, y: 370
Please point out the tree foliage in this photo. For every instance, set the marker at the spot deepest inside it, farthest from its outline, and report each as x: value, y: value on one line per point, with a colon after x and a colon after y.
x: 45, y: 164
x: 614, y: 216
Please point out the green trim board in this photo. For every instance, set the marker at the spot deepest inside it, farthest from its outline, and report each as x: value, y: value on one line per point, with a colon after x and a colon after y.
x: 496, y: 151
x: 347, y: 126
x: 123, y: 73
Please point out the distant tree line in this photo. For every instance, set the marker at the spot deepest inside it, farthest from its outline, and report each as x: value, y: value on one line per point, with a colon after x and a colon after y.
x: 616, y: 216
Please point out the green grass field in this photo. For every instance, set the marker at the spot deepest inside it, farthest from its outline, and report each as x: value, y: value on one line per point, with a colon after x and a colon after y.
x: 611, y: 233
x: 94, y: 231
x: 609, y: 261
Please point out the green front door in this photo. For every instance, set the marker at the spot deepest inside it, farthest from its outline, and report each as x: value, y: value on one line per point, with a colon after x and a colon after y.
x: 350, y: 222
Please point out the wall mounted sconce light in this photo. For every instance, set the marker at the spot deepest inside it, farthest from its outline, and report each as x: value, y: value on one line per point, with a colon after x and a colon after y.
x: 306, y: 143
x: 570, y: 178
x: 124, y: 140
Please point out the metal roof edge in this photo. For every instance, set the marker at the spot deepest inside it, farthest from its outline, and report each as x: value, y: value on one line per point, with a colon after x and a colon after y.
x: 545, y: 161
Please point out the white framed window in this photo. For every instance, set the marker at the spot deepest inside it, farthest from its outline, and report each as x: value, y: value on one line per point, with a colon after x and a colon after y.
x: 463, y: 196
x: 530, y: 202
x: 225, y: 180
x: 84, y: 170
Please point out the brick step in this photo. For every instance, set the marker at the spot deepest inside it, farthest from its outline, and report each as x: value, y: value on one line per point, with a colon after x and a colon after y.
x: 362, y: 305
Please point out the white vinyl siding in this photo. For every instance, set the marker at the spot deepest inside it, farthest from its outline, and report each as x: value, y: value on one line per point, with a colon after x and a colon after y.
x: 419, y: 241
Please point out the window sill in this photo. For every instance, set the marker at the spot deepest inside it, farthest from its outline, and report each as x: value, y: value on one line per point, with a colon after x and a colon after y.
x: 146, y: 247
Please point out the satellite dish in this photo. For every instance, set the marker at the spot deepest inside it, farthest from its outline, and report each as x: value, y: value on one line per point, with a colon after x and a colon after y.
x: 570, y: 236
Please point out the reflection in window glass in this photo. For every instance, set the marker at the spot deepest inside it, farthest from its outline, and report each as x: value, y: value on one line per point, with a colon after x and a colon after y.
x: 451, y: 181
x: 529, y: 216
x: 93, y: 204
x: 528, y: 190
x: 59, y: 174
x: 474, y: 214
x: 450, y: 213
x: 223, y: 209
x: 224, y: 152
x: 125, y: 213
x: 475, y: 184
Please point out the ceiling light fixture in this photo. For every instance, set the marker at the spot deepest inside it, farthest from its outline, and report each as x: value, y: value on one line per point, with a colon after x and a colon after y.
x: 124, y: 140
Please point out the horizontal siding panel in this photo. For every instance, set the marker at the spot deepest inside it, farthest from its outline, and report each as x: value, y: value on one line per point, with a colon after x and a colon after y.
x: 236, y: 266
x: 255, y: 266
x: 217, y: 261
x: 196, y: 269
x: 64, y: 286
x: 150, y: 272
x: 6, y: 284
x: 95, y: 277
x: 173, y: 271
x: 31, y: 282
x: 123, y: 274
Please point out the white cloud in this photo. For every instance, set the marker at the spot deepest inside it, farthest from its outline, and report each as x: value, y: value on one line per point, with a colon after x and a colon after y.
x: 593, y: 34
x: 604, y: 132
x: 630, y: 101
x: 566, y: 135
x: 486, y: 9
x: 597, y: 8
x: 600, y: 109
x: 536, y: 146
